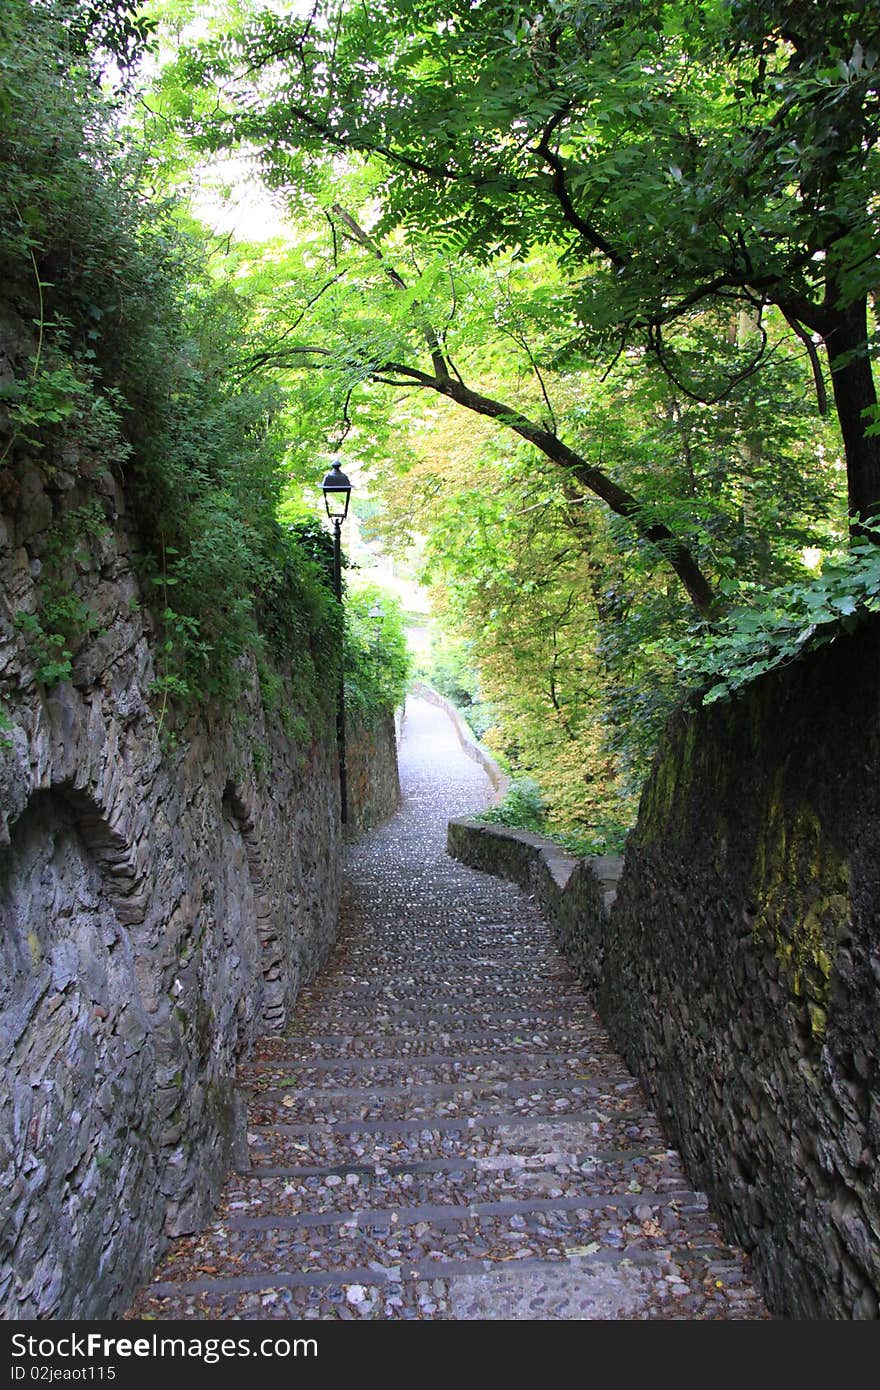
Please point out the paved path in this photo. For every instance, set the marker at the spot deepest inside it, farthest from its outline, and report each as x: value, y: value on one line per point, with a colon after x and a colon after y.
x: 446, y: 1133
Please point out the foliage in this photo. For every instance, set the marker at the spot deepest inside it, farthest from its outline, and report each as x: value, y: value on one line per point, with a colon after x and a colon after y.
x: 523, y: 807
x: 376, y: 657
x: 63, y: 619
x: 567, y: 622
x: 576, y: 228
x: 681, y: 161
x: 452, y: 669
x: 138, y: 362
x: 779, y: 624
x: 47, y: 397
x: 618, y: 239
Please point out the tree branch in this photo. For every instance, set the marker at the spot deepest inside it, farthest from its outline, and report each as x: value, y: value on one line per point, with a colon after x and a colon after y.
x: 623, y: 503
x: 655, y: 343
x: 362, y: 238
x: 815, y: 364
x: 620, y: 501
x: 559, y: 184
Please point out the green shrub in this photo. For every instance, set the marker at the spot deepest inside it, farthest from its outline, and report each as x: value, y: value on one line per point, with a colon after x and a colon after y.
x: 523, y: 807
x: 141, y: 357
x: 376, y: 661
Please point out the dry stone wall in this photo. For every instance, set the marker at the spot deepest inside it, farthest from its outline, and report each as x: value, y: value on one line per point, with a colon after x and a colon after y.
x: 160, y: 903
x: 738, y: 964
x: 742, y: 969
x: 373, y: 778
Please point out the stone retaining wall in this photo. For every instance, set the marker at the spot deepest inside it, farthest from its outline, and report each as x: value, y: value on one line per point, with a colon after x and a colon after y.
x: 574, y: 894
x: 742, y: 969
x: 372, y: 774
x: 162, y: 898
x: 739, y: 969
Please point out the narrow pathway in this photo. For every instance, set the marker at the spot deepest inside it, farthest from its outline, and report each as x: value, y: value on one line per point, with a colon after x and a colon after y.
x: 446, y: 1132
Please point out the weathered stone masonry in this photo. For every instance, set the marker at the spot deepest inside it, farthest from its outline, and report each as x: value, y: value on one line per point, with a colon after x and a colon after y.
x: 373, y: 779
x: 159, y: 906
x: 739, y: 967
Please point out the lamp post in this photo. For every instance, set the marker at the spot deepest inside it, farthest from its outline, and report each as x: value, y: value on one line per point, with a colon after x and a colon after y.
x: 337, y: 492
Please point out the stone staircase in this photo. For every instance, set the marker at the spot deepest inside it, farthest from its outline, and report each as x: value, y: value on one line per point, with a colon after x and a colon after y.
x: 446, y: 1132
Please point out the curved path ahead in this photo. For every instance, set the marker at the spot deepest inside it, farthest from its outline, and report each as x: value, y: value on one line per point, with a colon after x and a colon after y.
x: 446, y: 1133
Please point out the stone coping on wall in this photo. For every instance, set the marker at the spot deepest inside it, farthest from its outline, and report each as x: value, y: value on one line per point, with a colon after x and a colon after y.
x: 474, y: 750
x: 575, y: 894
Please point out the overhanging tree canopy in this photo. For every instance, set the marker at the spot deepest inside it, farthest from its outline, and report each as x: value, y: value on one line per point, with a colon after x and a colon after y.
x: 680, y: 159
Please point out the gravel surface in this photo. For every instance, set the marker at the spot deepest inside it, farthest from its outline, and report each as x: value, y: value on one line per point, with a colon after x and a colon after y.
x: 445, y: 1132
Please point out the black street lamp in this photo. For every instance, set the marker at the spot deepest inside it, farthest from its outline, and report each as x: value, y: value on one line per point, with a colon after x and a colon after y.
x: 337, y: 492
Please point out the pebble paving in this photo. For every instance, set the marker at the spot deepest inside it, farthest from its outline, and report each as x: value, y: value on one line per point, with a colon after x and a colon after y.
x: 445, y: 1131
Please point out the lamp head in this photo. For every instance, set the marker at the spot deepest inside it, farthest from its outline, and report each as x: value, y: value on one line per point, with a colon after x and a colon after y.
x: 336, y: 488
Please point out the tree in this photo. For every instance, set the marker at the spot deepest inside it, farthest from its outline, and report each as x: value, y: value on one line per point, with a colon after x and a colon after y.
x: 681, y: 158
x: 578, y: 640
x: 524, y: 215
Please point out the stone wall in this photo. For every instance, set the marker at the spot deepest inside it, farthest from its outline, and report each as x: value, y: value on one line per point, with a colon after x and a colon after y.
x: 373, y: 780
x: 739, y: 969
x: 161, y: 900
x: 742, y: 969
x: 574, y: 894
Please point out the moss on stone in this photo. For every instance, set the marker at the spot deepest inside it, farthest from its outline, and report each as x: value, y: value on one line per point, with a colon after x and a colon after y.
x: 802, y: 890
x: 818, y: 1021
x: 666, y: 794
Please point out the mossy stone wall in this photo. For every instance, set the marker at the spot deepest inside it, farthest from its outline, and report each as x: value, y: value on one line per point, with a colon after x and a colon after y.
x: 738, y: 966
x: 741, y: 969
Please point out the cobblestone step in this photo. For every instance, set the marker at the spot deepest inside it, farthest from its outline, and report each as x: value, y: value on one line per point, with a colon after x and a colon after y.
x: 380, y: 1073
x: 370, y: 1045
x: 374, y: 999
x: 471, y: 943
x: 350, y: 1188
x: 485, y: 1275
x: 445, y: 1132
x: 454, y: 1211
x: 439, y: 1016
x: 478, y: 1099
x: 457, y: 978
x: 493, y: 1231
x: 384, y: 1141
x: 503, y: 1163
x: 447, y: 956
x: 601, y: 1285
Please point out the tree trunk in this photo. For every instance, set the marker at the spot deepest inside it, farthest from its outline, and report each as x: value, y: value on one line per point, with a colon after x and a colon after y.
x: 854, y: 391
